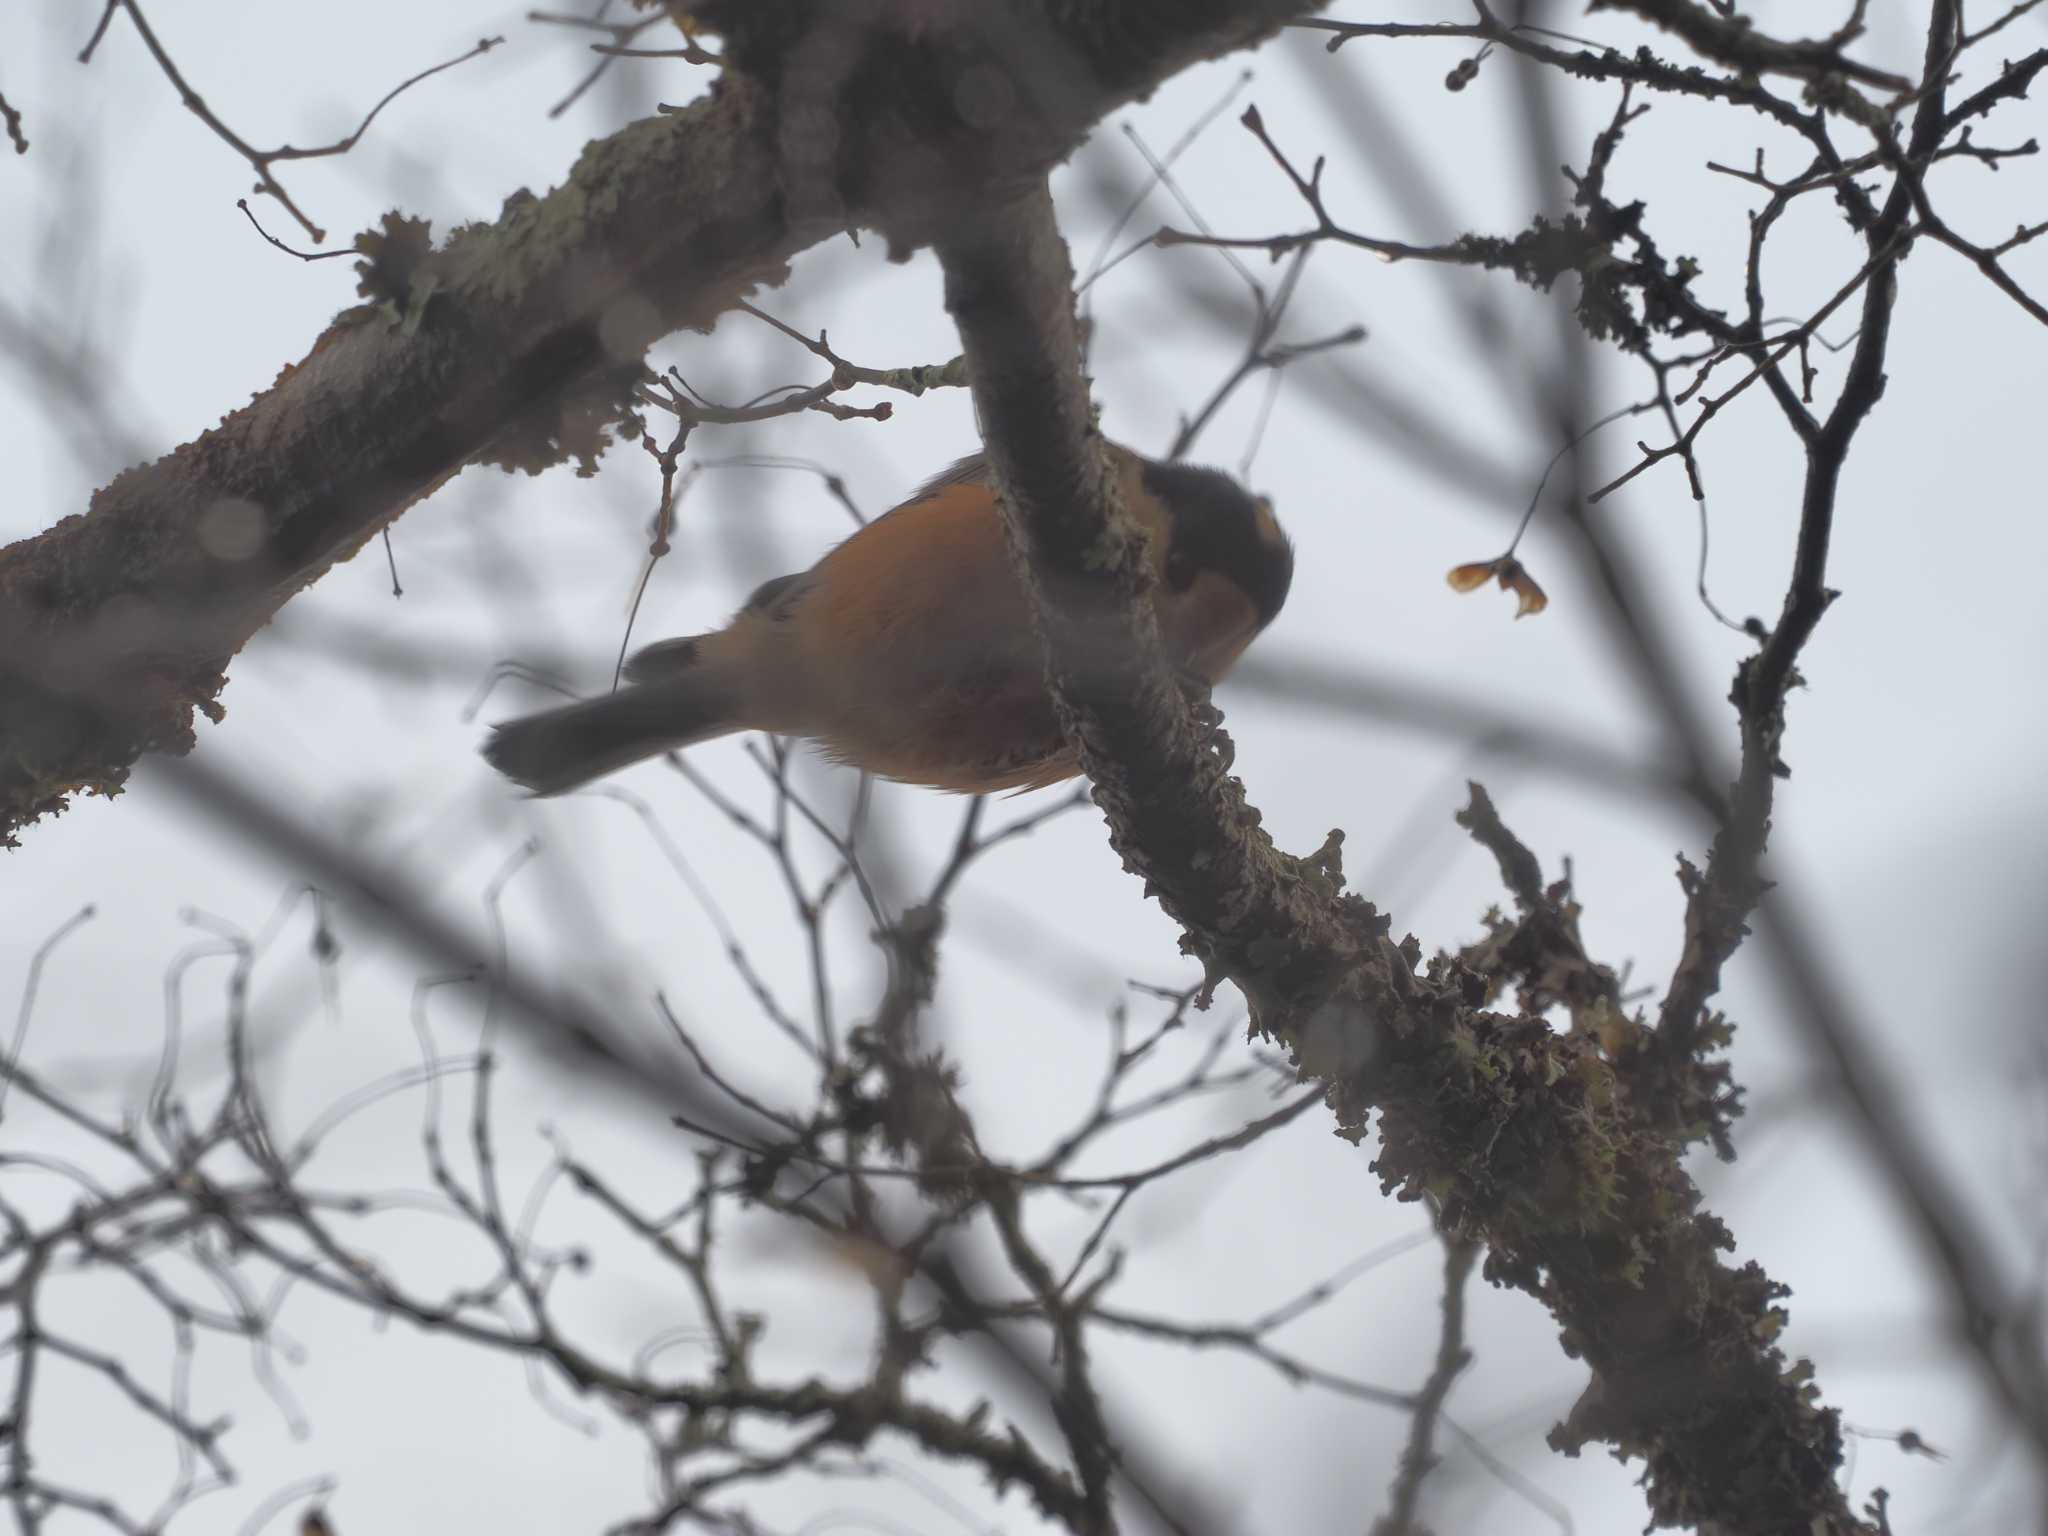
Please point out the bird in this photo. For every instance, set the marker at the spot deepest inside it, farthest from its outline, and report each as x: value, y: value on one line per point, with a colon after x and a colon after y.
x: 909, y: 651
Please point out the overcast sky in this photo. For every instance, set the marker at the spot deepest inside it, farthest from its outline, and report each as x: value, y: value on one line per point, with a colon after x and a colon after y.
x: 1911, y: 833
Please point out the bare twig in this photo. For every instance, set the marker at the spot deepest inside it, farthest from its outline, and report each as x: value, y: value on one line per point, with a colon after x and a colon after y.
x: 261, y: 160
x: 1419, y: 1456
x: 12, y: 119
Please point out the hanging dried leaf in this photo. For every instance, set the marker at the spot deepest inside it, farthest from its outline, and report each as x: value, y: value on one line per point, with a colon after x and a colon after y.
x: 1516, y: 579
x: 1470, y: 578
x: 1512, y: 576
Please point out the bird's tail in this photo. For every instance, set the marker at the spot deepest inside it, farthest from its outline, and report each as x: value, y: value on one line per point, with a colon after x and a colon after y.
x: 559, y: 749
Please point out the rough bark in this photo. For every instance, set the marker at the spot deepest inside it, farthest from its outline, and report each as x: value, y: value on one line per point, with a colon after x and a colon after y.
x: 516, y: 342
x: 1526, y: 1138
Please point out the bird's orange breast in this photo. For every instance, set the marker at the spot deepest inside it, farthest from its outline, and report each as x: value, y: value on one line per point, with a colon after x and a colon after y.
x: 919, y: 655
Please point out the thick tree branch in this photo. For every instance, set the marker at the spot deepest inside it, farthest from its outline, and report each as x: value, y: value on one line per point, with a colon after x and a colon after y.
x: 1526, y: 1136
x: 1175, y: 816
x: 518, y: 342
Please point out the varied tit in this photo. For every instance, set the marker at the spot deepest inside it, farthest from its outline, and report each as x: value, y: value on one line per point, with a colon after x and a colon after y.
x: 909, y: 650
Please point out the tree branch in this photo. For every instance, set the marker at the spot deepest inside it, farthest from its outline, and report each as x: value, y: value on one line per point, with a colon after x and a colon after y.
x: 1736, y: 42
x: 518, y: 343
x: 1418, y: 1457
x: 1526, y: 1136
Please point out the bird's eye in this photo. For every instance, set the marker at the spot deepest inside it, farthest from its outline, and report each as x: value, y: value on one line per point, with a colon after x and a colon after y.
x: 1180, y: 570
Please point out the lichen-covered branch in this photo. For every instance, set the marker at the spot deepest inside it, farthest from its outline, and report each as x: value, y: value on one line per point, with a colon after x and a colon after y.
x: 1177, y: 818
x: 1525, y: 1137
x: 519, y: 342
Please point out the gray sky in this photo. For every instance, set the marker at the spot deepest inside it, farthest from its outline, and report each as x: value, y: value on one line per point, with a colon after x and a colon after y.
x: 1911, y: 832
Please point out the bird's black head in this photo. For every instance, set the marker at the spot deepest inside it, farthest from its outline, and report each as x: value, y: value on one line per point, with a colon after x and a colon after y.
x: 1217, y: 525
